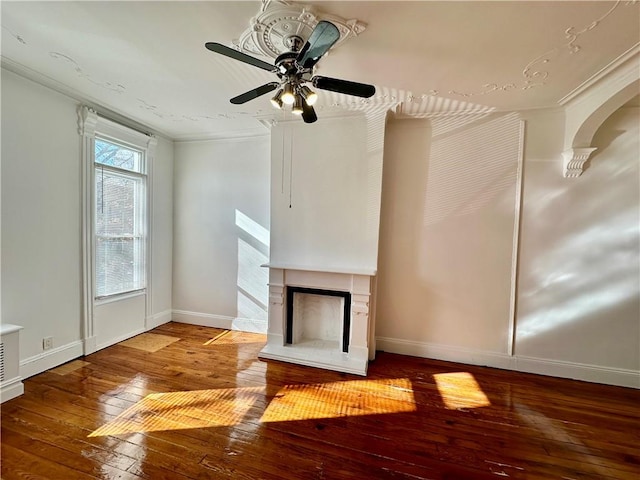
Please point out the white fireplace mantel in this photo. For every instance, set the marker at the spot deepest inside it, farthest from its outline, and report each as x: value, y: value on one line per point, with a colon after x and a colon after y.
x: 361, y: 347
x: 324, y: 268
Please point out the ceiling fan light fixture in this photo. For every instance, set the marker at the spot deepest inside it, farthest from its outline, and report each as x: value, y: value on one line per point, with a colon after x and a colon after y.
x: 276, y: 101
x: 297, y: 105
x: 288, y: 96
x: 309, y: 95
x: 293, y: 69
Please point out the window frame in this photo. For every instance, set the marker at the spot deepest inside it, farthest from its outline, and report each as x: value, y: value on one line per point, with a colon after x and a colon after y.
x: 90, y: 126
x: 141, y: 217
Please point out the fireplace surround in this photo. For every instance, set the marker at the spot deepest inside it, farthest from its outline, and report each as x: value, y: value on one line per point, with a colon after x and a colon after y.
x: 354, y: 346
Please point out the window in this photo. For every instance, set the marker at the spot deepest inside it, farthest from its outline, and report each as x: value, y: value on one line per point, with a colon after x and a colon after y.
x: 120, y: 218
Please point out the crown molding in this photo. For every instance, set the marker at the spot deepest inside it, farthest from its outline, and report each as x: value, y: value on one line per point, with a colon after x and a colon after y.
x: 58, y: 87
x: 95, y: 105
x: 602, y: 73
x: 237, y: 136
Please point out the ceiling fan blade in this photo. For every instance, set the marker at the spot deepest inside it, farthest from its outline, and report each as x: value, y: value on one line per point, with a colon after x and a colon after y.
x: 236, y: 55
x: 308, y: 113
x: 320, y: 41
x: 255, y: 93
x: 344, y: 86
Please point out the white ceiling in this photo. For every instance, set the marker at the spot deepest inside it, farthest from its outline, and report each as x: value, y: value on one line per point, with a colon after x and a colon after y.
x: 147, y: 61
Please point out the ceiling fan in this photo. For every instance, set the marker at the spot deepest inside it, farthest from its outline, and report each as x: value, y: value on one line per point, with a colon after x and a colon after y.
x: 294, y: 69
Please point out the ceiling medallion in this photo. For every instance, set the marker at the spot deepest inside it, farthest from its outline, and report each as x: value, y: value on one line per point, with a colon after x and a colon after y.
x: 270, y: 32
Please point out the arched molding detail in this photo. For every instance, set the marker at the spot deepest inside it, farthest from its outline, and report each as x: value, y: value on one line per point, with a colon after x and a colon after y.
x: 586, y: 112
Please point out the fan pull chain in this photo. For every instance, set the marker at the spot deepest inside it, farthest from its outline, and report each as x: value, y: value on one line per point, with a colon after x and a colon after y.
x: 282, y: 151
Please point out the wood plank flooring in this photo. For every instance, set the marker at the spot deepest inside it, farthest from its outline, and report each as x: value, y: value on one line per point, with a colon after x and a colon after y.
x: 205, y: 407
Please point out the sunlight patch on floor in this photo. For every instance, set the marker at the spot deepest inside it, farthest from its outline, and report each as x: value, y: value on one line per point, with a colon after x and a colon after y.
x: 69, y: 367
x: 232, y: 337
x: 182, y: 410
x: 149, y: 342
x: 228, y: 407
x: 341, y: 399
x: 217, y: 337
x: 460, y: 390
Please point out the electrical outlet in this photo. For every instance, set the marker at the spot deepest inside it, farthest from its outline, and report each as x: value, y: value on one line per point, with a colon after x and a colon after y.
x: 47, y: 343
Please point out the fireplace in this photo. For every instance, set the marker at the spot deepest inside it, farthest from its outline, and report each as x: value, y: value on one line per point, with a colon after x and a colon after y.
x: 326, y: 189
x: 312, y: 317
x: 321, y: 318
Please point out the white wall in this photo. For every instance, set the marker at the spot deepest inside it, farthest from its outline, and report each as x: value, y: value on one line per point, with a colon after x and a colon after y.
x: 40, y: 216
x: 41, y: 223
x: 322, y: 195
x: 447, y: 238
x: 446, y: 233
x: 221, y: 232
x: 579, y: 291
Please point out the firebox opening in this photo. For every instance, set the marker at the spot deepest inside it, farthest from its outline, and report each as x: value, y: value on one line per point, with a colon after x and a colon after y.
x: 297, y: 327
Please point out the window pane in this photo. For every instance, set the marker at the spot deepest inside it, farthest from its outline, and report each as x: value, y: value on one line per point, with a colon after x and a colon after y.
x: 116, y: 199
x: 117, y: 156
x: 118, y: 265
x: 119, y: 229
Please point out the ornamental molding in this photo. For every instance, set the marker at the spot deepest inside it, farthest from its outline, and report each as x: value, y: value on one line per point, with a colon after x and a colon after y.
x: 87, y: 122
x: 574, y: 161
x: 278, y: 20
x: 79, y: 71
x: 585, y: 113
x: 536, y: 73
x: 17, y: 36
x: 276, y: 295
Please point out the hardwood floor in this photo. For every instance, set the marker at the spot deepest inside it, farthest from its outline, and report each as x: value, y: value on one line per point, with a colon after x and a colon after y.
x: 188, y: 402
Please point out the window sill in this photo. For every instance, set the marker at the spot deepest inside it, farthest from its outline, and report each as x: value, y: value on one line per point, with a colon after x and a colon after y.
x: 118, y: 297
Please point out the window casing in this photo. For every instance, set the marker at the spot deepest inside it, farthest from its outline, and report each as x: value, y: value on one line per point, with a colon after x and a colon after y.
x: 120, y: 218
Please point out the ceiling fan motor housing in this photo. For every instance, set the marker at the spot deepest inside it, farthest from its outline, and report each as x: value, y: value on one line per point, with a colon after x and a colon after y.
x: 294, y: 43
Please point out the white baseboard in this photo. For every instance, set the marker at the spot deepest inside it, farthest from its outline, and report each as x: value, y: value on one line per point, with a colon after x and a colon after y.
x: 121, y: 338
x: 579, y: 371
x: 203, y: 319
x: 541, y: 366
x: 11, y: 389
x: 443, y: 352
x: 50, y: 359
x: 90, y: 345
x: 158, y: 319
x: 249, y: 325
x: 220, y: 321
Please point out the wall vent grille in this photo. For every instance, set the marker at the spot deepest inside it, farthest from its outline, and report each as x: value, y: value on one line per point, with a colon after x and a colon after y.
x: 1, y: 361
